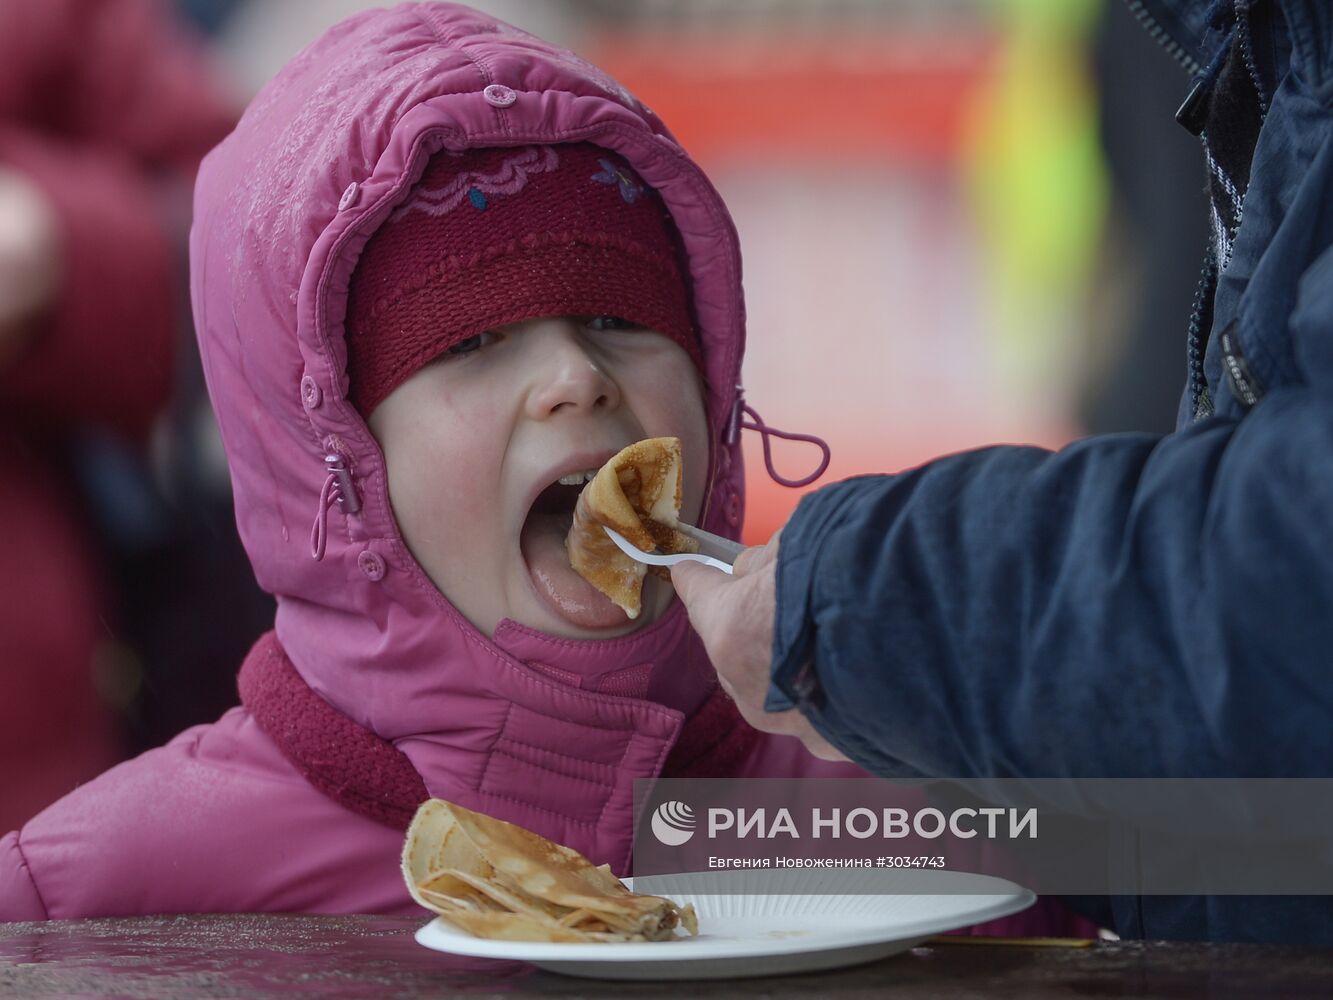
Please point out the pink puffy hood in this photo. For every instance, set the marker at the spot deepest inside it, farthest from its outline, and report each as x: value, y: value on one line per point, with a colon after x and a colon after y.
x: 548, y: 732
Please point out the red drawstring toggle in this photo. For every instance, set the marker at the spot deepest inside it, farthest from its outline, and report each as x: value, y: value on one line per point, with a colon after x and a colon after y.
x: 737, y: 423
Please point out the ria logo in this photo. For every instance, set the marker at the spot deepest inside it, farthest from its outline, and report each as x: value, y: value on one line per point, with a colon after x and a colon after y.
x: 673, y: 823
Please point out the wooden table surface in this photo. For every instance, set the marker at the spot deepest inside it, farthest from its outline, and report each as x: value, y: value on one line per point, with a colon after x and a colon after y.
x: 264, y: 956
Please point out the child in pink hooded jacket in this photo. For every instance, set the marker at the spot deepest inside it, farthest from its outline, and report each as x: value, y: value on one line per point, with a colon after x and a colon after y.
x: 439, y: 267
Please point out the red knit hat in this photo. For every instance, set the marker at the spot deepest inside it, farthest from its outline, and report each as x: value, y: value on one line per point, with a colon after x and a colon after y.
x: 498, y: 235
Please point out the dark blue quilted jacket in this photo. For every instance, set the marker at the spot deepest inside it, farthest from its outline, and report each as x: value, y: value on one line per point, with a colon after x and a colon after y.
x: 1132, y: 605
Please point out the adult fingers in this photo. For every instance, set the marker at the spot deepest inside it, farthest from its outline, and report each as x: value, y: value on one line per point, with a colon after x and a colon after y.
x: 696, y: 583
x: 756, y: 557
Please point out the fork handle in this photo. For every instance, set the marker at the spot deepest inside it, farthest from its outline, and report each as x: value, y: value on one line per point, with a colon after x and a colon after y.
x: 711, y: 544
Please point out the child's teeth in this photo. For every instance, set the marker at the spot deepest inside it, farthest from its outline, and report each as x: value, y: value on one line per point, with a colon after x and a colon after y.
x: 578, y: 478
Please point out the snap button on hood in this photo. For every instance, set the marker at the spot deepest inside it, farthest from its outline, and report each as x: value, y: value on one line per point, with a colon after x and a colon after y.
x: 499, y: 95
x: 372, y: 564
x: 311, y: 394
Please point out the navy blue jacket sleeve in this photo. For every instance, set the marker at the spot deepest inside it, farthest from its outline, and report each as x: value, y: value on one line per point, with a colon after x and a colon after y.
x: 1129, y: 606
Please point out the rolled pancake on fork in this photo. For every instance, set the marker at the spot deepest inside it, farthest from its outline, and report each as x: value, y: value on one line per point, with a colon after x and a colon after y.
x: 637, y: 493
x: 497, y: 880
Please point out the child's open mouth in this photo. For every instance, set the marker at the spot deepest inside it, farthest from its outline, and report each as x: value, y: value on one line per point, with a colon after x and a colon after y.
x: 542, y: 543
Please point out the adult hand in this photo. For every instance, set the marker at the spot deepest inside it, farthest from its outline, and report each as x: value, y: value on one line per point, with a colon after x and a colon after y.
x: 29, y: 260
x: 734, y: 617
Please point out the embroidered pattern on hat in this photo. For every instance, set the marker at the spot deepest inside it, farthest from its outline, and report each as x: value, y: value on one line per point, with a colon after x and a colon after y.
x: 630, y: 188
x: 509, y: 177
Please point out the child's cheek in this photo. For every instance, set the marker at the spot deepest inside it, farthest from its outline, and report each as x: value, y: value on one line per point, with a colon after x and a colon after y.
x: 672, y: 403
x: 468, y: 465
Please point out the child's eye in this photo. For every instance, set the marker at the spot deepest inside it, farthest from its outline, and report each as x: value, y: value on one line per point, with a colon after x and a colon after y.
x: 611, y: 323
x: 471, y: 344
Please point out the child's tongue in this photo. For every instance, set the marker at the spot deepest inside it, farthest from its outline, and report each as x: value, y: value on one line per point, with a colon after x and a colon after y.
x: 569, y: 595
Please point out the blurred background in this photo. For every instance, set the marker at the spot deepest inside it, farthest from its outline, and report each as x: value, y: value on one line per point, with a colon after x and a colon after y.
x: 963, y: 222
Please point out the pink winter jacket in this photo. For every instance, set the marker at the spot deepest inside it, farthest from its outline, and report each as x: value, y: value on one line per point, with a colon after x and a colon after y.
x: 546, y: 732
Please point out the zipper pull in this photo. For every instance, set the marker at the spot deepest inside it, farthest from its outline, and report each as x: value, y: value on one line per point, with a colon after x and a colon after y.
x: 348, y: 500
x: 1193, y: 112
x: 338, y: 488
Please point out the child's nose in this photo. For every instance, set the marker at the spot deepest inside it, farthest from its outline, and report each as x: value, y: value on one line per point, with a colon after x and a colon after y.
x: 570, y: 376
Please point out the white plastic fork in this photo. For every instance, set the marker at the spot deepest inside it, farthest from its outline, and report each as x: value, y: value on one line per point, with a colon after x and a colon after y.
x: 724, y: 550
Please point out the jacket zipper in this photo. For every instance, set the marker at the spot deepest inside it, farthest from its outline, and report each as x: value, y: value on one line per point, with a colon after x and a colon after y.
x: 1163, y: 39
x: 1201, y: 403
x: 1247, y: 53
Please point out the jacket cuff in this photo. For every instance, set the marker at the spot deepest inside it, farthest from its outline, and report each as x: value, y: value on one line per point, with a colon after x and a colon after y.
x: 793, y: 683
x: 793, y: 625
x: 804, y: 591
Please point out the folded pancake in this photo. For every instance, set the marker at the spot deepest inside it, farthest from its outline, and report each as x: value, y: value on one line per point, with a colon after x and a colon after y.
x: 637, y: 493
x: 497, y: 880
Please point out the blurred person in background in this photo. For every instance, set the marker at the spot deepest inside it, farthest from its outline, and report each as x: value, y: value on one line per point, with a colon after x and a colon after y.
x: 105, y: 111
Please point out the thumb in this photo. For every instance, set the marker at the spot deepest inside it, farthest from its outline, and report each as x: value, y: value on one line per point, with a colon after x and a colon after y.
x: 695, y: 583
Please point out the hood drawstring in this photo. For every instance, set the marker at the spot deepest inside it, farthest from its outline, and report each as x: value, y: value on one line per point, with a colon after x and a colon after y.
x: 338, y: 487
x: 737, y: 423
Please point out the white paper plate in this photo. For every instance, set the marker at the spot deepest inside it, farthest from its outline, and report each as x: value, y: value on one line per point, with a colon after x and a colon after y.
x: 812, y: 927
